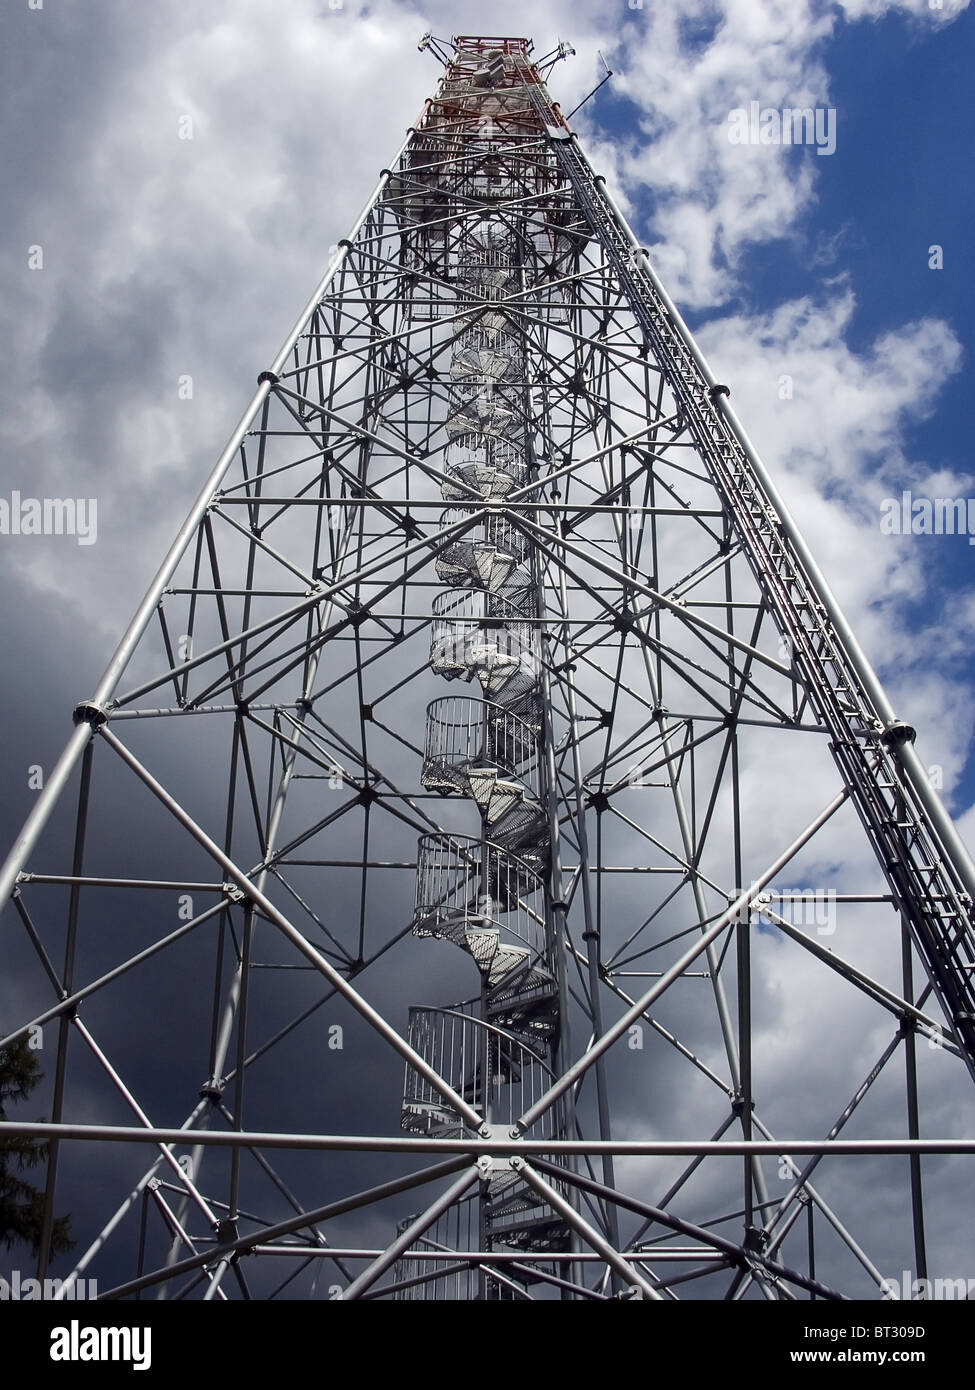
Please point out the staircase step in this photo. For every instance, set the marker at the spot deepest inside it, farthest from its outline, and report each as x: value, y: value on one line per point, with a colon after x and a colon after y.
x: 505, y: 796
x: 424, y: 1117
x: 522, y: 822
x: 507, y: 959
x: 488, y: 482
x: 509, y: 680
x: 537, y: 1234
x: 513, y: 990
x: 452, y: 926
x: 481, y: 781
x: 492, y: 565
x: 527, y: 1016
x: 482, y: 943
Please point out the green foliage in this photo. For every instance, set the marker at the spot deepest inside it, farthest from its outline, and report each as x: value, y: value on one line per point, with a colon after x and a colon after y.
x: 21, y: 1203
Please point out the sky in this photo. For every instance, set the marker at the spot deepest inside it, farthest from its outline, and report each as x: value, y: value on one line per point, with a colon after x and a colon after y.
x: 175, y: 177
x: 166, y: 257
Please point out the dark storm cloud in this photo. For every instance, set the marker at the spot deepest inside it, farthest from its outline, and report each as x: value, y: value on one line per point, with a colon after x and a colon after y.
x: 166, y: 257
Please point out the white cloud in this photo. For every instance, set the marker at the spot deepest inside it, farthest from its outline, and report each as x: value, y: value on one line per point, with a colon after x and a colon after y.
x: 829, y: 423
x: 177, y: 257
x: 713, y: 198
x: 938, y: 12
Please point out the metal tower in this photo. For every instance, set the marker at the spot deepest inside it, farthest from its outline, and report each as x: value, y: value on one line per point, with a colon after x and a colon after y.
x: 490, y: 631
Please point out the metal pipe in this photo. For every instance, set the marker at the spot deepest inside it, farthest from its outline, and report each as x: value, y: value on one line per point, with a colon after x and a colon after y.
x: 588, y: 1233
x: 372, y: 1017
x: 43, y: 807
x: 67, y: 980
x: 416, y: 1228
x: 744, y: 901
x: 294, y: 1223
x: 953, y: 847
x: 370, y: 1143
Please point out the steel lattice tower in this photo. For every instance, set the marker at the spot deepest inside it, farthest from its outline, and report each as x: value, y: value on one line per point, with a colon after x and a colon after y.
x: 490, y: 631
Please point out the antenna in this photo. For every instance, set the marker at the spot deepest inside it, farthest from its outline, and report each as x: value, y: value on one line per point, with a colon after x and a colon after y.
x: 595, y: 89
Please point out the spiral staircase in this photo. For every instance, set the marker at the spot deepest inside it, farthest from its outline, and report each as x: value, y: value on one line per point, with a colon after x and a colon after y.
x: 485, y: 893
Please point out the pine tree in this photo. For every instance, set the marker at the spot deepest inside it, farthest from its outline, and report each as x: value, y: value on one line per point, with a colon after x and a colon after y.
x: 21, y: 1203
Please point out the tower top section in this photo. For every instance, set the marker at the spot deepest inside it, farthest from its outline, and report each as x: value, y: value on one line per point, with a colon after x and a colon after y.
x: 489, y: 85
x: 483, y: 44
x: 491, y: 62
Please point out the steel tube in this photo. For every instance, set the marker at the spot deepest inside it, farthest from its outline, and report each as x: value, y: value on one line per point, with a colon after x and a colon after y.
x: 403, y: 1242
x: 372, y: 1017
x: 370, y: 1143
x: 38, y: 818
x: 954, y: 848
x: 579, y: 1068
x: 589, y: 1234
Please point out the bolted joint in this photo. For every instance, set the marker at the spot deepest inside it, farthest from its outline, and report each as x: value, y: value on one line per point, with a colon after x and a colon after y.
x: 212, y: 1089
x: 719, y: 389
x: 272, y: 377
x: 226, y: 1231
x: 896, y: 732
x: 232, y: 892
x: 90, y: 712
x: 756, y: 1240
x: 516, y: 1162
